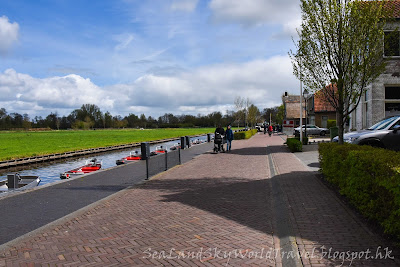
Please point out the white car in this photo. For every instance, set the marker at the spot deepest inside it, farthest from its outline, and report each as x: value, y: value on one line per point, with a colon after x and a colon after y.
x: 311, y: 130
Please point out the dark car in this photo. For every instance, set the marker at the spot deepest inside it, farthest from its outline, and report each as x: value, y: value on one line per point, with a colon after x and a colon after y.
x: 385, y: 134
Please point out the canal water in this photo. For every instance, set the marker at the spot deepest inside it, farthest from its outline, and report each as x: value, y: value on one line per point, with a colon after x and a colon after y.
x: 50, y: 171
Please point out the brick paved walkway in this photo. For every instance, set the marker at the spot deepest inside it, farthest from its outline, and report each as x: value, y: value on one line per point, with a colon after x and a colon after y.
x: 212, y: 211
x: 324, y: 226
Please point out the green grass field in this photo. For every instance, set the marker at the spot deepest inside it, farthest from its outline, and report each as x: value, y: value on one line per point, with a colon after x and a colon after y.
x: 26, y: 144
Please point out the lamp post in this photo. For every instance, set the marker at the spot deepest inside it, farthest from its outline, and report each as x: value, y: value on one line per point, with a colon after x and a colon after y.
x: 305, y: 95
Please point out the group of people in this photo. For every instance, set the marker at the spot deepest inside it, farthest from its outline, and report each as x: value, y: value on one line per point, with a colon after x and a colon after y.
x: 228, y: 133
x: 268, y: 128
x: 228, y: 136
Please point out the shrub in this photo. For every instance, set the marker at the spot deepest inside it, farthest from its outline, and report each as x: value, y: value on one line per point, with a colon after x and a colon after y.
x: 369, y: 178
x: 331, y: 123
x: 294, y: 144
x: 305, y: 139
x: 244, y: 134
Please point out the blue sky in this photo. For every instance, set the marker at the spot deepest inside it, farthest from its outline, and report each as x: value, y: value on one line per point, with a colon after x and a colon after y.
x: 144, y: 56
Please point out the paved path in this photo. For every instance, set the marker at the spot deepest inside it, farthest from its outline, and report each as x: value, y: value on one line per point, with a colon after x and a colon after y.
x: 215, y: 210
x: 26, y: 212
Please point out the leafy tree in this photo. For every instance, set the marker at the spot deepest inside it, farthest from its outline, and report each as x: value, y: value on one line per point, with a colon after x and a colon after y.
x: 133, y: 120
x: 253, y: 114
x: 52, y: 121
x: 276, y: 113
x: 26, y: 123
x: 340, y: 45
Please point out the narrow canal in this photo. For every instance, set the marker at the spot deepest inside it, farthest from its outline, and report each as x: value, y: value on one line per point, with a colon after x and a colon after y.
x: 50, y: 171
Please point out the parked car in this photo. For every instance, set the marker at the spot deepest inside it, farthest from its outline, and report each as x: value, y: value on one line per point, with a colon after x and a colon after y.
x: 385, y: 134
x: 311, y: 130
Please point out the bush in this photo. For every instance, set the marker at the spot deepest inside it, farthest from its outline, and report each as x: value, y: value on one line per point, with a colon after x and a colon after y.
x: 331, y: 123
x: 305, y: 139
x: 244, y: 134
x: 294, y: 144
x: 369, y: 178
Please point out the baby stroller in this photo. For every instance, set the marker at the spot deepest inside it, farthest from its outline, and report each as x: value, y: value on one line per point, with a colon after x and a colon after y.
x: 219, y: 143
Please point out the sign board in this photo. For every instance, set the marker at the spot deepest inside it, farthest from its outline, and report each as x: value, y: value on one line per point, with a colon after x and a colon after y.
x: 288, y: 123
x: 288, y: 126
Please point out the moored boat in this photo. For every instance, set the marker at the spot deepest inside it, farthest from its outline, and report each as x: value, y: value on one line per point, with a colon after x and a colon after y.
x: 175, y: 146
x: 159, y: 150
x: 90, y: 166
x: 15, y: 181
x: 133, y: 156
x: 196, y: 142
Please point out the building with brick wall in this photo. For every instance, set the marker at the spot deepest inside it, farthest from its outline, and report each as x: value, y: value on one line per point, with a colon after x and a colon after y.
x: 292, y: 108
x: 382, y: 98
x: 319, y: 110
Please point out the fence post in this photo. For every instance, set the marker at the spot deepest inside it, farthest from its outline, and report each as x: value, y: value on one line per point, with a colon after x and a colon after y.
x: 183, y: 142
x: 147, y: 168
x: 179, y: 156
x: 166, y: 160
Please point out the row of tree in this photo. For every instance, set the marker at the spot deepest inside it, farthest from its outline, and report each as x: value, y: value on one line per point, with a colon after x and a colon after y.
x: 90, y: 116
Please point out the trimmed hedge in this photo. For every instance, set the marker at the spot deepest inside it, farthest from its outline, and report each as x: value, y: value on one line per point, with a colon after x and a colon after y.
x: 369, y: 178
x: 331, y: 123
x: 244, y: 134
x: 294, y: 144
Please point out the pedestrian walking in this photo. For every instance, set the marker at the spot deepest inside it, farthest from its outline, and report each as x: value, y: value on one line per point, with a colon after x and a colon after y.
x: 229, y: 138
x: 270, y: 129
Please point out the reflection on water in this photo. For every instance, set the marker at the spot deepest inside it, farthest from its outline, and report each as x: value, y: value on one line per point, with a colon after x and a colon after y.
x: 50, y: 171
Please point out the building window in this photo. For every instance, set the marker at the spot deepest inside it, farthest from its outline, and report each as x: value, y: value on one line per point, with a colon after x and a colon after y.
x: 312, y: 119
x: 392, y: 109
x: 392, y: 92
x: 392, y: 44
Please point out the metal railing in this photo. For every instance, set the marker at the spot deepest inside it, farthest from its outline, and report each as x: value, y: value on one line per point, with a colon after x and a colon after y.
x: 162, y: 162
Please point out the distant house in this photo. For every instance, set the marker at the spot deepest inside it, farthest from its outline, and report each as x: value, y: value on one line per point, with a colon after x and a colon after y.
x: 319, y: 110
x: 292, y: 108
x: 382, y: 98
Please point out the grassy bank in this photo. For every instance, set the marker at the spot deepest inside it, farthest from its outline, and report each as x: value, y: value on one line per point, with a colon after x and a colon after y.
x: 26, y: 144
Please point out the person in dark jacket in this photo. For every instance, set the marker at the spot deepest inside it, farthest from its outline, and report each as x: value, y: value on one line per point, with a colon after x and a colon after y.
x: 229, y: 138
x: 219, y: 134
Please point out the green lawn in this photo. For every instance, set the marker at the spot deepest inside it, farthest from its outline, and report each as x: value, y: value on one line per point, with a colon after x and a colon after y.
x: 25, y: 144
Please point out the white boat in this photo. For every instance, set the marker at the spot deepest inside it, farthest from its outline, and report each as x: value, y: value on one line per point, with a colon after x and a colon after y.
x: 90, y: 166
x: 15, y: 181
x: 175, y: 146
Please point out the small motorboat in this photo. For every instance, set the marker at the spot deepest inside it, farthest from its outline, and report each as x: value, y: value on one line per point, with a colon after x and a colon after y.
x: 133, y: 156
x: 196, y: 142
x: 90, y: 166
x: 159, y: 150
x: 15, y: 181
x: 175, y: 146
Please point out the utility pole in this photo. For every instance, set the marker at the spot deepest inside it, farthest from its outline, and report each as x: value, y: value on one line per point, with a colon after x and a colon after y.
x: 301, y: 108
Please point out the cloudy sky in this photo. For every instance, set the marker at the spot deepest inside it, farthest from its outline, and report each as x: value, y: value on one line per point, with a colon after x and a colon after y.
x: 145, y: 56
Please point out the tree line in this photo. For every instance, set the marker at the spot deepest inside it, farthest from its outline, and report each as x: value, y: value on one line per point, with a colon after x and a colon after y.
x: 89, y: 116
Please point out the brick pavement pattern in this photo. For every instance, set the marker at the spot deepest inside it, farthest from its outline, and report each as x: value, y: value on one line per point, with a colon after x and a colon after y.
x: 214, y: 204
x: 192, y: 214
x: 325, y: 227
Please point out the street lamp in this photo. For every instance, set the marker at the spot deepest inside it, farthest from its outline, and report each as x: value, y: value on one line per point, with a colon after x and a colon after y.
x: 305, y: 95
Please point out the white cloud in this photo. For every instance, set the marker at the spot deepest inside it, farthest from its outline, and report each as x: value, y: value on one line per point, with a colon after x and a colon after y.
x: 67, y: 92
x: 212, y: 87
x: 203, y: 90
x: 184, y: 5
x: 8, y: 34
x: 256, y: 12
